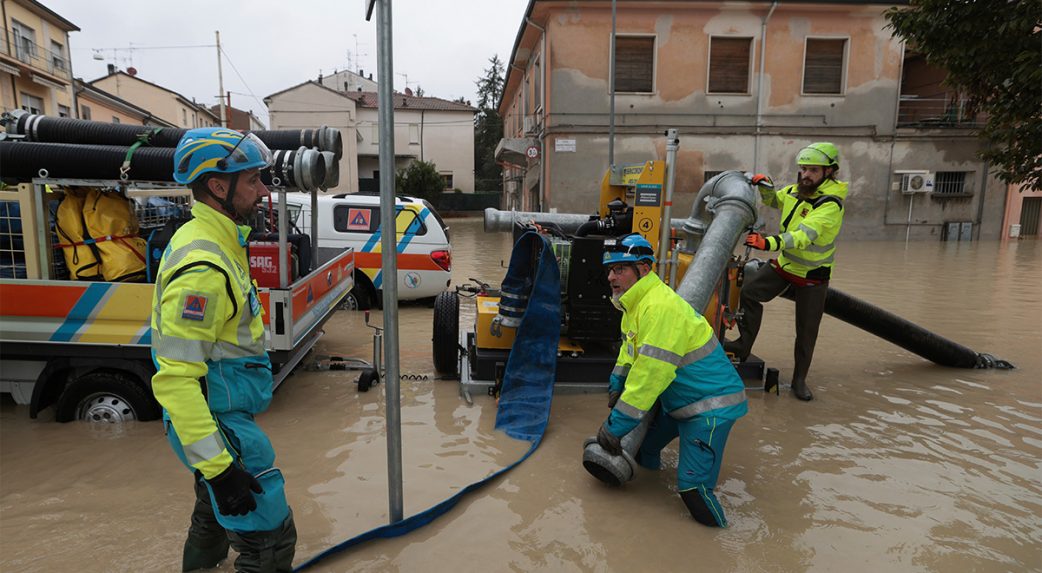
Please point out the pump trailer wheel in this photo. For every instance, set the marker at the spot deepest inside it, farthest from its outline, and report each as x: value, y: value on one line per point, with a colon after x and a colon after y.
x: 446, y: 333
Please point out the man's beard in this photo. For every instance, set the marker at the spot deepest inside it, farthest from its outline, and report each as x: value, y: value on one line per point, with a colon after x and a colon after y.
x: 808, y: 189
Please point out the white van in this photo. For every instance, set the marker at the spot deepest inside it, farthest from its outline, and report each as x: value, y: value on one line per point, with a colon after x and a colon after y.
x: 424, y: 253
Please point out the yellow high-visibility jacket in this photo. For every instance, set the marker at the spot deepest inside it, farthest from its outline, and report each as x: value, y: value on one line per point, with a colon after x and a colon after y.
x: 207, y: 329
x: 809, y: 228
x: 670, y: 353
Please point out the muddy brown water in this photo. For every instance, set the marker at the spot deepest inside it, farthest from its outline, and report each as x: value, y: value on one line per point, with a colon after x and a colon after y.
x: 898, y: 465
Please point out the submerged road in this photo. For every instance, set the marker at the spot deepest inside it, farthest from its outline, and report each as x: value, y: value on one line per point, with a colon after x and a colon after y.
x: 897, y: 465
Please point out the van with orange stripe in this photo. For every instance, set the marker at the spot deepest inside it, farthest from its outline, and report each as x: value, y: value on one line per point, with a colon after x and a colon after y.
x: 353, y: 221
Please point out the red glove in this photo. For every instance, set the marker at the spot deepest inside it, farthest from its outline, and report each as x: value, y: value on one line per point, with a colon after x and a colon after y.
x: 762, y: 180
x: 758, y: 241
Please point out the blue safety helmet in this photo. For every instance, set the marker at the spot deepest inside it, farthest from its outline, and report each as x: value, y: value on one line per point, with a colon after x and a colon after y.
x: 629, y: 249
x: 217, y: 150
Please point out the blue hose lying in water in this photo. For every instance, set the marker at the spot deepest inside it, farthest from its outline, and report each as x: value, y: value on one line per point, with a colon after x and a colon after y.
x: 524, y: 403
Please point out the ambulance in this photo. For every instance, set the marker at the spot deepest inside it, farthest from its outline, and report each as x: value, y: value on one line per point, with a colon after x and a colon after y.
x: 353, y: 221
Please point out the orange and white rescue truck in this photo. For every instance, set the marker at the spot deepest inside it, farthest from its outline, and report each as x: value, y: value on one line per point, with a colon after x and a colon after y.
x: 83, y: 346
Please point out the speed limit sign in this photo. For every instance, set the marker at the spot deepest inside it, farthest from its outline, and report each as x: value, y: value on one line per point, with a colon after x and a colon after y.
x: 532, y: 152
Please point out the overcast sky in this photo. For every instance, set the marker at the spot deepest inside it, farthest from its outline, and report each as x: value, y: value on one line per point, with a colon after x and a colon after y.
x: 441, y: 45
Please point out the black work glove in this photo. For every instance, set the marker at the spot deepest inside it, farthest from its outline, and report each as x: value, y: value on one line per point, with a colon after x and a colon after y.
x: 231, y: 489
x: 608, y: 441
x: 613, y: 397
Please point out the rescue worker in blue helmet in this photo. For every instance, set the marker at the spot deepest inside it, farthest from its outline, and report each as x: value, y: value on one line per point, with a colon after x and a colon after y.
x: 669, y: 354
x: 811, y: 218
x: 213, y: 373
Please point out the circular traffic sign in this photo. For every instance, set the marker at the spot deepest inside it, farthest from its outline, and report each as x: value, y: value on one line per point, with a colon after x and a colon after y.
x: 532, y: 152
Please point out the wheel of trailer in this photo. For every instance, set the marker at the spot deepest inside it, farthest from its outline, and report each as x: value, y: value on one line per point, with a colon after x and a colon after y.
x: 367, y: 379
x: 105, y: 396
x: 446, y: 333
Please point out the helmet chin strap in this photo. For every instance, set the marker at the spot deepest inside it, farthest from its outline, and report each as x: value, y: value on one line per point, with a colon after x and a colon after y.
x: 228, y: 203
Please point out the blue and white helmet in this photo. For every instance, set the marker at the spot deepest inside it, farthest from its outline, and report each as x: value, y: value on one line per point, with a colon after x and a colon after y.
x: 629, y: 249
x: 217, y: 150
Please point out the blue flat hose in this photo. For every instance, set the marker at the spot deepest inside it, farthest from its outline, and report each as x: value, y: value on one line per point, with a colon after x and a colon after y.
x: 524, y: 403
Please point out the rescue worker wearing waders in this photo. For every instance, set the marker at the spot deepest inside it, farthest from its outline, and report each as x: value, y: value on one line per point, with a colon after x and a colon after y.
x: 214, y: 374
x: 811, y: 217
x: 669, y: 354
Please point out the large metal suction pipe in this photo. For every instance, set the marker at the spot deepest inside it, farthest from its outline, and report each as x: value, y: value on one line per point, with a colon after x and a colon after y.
x: 616, y: 470
x: 724, y: 209
x: 504, y: 221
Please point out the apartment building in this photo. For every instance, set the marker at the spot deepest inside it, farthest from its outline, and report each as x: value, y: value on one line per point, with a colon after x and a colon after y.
x: 35, y: 67
x: 747, y: 84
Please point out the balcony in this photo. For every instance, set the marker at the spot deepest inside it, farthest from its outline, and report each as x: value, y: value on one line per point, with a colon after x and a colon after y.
x: 946, y: 111
x: 35, y: 57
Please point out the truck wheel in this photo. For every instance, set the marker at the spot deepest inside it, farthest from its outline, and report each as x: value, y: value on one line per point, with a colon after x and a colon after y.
x: 102, y: 396
x: 446, y: 333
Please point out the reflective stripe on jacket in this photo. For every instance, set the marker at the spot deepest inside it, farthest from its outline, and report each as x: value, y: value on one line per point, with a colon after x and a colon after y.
x: 809, y: 227
x: 670, y: 353
x: 207, y: 325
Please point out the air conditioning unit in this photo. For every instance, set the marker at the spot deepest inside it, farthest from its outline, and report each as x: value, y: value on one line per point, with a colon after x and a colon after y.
x: 916, y: 181
x: 529, y: 125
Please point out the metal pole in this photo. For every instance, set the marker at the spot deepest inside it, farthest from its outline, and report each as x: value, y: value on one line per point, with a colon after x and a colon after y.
x: 611, y: 92
x: 283, y: 241
x: 220, y: 81
x: 672, y: 143
x: 388, y: 244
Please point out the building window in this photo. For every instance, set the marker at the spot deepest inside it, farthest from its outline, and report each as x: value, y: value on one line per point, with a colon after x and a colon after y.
x: 115, y: 119
x: 414, y: 133
x: 57, y: 57
x: 729, y: 65
x: 32, y: 104
x: 447, y: 177
x: 24, y: 41
x: 184, y: 116
x: 63, y: 110
x: 950, y: 183
x: 537, y: 82
x: 709, y: 175
x: 635, y: 64
x: 823, y: 66
x: 85, y: 111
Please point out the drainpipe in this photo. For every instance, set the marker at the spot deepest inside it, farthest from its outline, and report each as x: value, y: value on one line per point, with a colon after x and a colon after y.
x: 759, y: 88
x: 543, y: 168
x: 731, y: 201
x: 986, y: 166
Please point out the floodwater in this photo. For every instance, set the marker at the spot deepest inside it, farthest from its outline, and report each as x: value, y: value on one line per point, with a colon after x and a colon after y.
x: 897, y: 465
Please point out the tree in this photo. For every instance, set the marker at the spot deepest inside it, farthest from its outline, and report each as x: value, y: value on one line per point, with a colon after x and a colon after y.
x: 488, y: 127
x: 992, y: 52
x: 420, y: 179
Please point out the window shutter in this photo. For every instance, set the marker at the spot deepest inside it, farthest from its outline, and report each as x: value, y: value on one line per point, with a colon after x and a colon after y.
x: 729, y: 65
x: 634, y: 63
x: 823, y: 67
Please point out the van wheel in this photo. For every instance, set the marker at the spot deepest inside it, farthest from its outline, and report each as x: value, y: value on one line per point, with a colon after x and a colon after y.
x: 107, y: 397
x: 446, y: 333
x: 356, y: 299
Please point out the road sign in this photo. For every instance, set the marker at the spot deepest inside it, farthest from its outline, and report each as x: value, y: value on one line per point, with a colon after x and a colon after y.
x: 532, y: 152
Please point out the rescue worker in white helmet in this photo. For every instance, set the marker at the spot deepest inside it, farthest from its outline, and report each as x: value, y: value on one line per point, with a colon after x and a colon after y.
x: 669, y: 354
x: 213, y: 373
x: 811, y: 218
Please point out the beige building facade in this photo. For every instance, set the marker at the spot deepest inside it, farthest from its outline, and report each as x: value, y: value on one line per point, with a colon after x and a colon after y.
x: 35, y: 67
x: 311, y: 104
x: 168, y: 105
x: 100, y: 105
x: 747, y: 84
x: 426, y: 128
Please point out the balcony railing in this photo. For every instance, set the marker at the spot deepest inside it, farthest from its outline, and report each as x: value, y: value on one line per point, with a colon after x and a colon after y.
x: 950, y: 111
x: 33, y: 55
